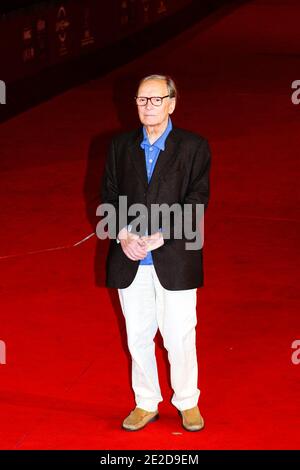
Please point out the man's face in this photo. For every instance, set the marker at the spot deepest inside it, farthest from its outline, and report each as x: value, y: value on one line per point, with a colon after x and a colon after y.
x: 151, y: 115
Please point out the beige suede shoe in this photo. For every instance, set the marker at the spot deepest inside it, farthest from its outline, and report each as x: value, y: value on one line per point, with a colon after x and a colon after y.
x: 138, y: 419
x: 192, y: 419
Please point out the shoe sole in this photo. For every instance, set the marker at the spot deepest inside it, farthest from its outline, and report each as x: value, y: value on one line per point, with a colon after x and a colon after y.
x: 155, y: 418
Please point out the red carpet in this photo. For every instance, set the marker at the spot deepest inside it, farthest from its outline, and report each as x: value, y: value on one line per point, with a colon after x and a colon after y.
x: 66, y: 381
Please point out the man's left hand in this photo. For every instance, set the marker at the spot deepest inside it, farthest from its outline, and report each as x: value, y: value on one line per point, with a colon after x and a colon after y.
x: 153, y: 241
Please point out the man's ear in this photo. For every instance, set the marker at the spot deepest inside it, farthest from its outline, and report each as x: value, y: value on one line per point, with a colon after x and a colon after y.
x: 172, y: 105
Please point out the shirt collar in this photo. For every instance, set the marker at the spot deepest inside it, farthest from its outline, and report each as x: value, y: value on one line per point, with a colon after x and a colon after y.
x: 160, y: 142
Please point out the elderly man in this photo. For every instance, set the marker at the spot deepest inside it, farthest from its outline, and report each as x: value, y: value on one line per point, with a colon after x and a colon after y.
x: 156, y: 275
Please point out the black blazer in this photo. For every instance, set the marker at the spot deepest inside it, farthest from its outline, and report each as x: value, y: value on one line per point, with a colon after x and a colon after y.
x: 181, y: 175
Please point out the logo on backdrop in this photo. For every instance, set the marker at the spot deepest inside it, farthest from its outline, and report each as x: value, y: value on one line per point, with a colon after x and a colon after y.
x: 62, y: 28
x: 28, y: 44
x: 87, y: 38
x: 2, y: 352
x: 41, y: 38
x: 146, y: 10
x: 296, y: 94
x: 162, y: 7
x: 34, y: 42
x: 2, y: 92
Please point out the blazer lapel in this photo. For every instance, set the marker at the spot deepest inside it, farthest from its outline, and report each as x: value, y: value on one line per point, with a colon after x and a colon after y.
x: 137, y: 156
x: 165, y: 158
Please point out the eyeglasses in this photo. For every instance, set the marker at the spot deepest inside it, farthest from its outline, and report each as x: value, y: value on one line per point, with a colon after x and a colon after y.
x: 155, y: 100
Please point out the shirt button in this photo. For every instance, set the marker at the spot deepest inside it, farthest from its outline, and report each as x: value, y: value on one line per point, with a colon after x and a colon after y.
x: 151, y: 148
x: 150, y: 160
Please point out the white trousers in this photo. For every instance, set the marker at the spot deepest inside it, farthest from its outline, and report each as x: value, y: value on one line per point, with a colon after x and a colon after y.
x: 147, y: 306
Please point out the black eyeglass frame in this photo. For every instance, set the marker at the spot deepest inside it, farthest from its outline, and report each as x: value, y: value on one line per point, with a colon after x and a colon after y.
x: 150, y: 98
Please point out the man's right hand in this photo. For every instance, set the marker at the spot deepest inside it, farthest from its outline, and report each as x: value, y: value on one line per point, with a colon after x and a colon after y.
x: 132, y: 245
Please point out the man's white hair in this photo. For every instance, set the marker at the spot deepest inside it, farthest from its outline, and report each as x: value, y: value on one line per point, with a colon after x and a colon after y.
x: 172, y: 88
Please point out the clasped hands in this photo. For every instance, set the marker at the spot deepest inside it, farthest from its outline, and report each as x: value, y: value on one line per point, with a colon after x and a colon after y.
x: 136, y: 247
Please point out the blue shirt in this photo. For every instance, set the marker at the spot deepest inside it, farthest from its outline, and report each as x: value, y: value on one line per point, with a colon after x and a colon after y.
x: 151, y: 156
